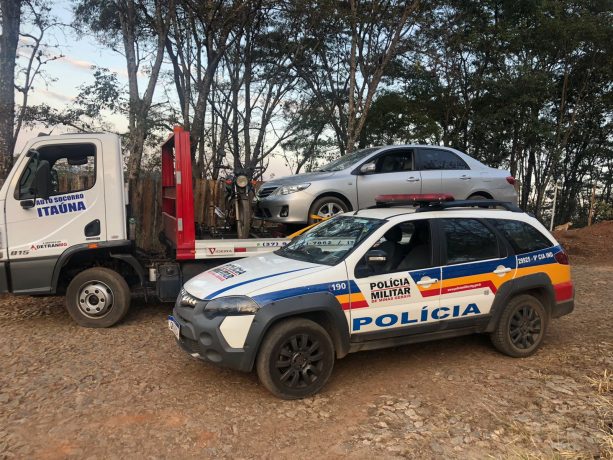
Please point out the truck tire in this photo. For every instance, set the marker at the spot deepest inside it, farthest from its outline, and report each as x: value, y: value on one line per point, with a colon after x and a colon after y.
x: 295, y: 359
x: 326, y: 206
x: 521, y: 327
x: 98, y: 297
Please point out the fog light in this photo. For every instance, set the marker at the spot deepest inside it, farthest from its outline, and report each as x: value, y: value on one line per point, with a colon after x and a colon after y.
x: 284, y: 211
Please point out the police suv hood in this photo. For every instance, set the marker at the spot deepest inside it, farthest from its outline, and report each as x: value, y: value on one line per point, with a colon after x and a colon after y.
x: 241, y: 277
x: 301, y: 178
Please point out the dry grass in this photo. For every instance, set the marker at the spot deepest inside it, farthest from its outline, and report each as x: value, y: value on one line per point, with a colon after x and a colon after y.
x: 603, y: 384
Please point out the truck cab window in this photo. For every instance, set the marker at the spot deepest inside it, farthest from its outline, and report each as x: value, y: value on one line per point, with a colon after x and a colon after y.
x: 73, y: 169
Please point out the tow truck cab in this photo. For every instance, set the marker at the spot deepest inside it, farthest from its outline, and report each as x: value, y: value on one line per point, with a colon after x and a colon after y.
x: 63, y: 201
x: 64, y: 227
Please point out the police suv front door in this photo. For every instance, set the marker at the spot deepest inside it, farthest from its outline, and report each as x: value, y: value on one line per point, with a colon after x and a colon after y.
x: 38, y: 230
x: 403, y: 298
x: 475, y: 264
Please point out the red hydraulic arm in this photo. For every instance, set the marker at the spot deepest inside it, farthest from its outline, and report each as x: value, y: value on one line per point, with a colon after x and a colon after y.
x: 178, y: 195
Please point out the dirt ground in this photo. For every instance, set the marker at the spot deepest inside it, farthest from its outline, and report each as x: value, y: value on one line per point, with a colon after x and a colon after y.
x: 129, y: 392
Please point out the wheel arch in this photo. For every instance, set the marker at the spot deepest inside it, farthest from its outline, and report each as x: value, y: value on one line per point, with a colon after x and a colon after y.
x: 338, y: 195
x: 321, y: 308
x: 483, y: 193
x: 537, y: 285
x: 113, y: 256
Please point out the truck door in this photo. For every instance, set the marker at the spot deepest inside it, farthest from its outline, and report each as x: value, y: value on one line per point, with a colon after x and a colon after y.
x: 394, y: 173
x: 39, y: 230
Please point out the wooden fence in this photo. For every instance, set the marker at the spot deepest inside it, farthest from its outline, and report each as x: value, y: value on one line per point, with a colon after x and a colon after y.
x: 208, y: 194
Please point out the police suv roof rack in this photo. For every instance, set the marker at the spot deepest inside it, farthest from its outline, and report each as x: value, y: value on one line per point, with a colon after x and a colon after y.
x: 438, y: 201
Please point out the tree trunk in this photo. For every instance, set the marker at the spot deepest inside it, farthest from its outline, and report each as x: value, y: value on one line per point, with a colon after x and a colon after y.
x: 11, y: 18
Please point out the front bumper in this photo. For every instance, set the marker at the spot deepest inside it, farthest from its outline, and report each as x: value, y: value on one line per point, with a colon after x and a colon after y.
x: 202, y: 338
x: 288, y: 209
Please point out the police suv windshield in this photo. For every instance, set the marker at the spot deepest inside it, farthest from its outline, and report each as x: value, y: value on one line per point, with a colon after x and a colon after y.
x: 330, y: 241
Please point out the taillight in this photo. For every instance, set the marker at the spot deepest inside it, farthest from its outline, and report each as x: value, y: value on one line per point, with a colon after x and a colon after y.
x: 562, y: 258
x: 511, y: 180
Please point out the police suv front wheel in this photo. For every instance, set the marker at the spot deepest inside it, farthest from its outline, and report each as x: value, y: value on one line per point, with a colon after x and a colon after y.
x: 295, y: 359
x: 521, y: 327
x: 98, y: 297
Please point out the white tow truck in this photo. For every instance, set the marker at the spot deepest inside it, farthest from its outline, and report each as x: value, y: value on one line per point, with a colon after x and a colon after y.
x: 58, y: 238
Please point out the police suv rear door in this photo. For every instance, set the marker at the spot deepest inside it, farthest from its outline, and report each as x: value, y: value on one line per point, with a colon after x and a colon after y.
x: 476, y: 262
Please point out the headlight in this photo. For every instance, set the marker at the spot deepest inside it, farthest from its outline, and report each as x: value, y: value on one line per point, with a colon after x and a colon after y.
x: 185, y: 299
x: 231, y: 305
x: 287, y: 189
x: 242, y: 181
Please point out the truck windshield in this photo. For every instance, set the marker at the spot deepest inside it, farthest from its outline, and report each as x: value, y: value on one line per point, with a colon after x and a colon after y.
x: 330, y: 241
x: 348, y: 160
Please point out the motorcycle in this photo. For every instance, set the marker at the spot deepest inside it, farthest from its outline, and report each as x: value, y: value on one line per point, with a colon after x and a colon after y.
x: 239, y: 190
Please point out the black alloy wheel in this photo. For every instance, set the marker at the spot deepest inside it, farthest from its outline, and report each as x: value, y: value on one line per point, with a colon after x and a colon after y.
x: 295, y: 359
x: 525, y: 327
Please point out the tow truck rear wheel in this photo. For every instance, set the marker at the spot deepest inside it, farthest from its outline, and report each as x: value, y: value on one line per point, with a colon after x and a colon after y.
x: 295, y: 359
x: 98, y: 297
x: 521, y: 327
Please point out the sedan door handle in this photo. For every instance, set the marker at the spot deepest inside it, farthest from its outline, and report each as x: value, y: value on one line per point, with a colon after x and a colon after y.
x: 501, y: 270
x: 413, y: 179
x: 426, y: 281
x: 465, y: 177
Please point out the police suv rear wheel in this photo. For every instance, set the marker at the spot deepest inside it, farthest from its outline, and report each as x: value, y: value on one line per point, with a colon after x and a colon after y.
x: 521, y: 327
x: 295, y: 359
x: 98, y: 297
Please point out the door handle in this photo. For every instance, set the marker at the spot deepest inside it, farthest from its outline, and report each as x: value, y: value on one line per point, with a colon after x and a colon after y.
x: 501, y: 270
x: 413, y: 179
x: 426, y: 281
x: 465, y: 177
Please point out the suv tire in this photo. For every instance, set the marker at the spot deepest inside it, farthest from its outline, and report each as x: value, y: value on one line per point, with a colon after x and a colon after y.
x: 326, y: 206
x: 98, y: 297
x: 295, y: 359
x: 521, y: 327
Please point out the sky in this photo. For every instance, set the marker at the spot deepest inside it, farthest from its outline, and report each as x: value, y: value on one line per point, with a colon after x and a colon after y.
x: 67, y: 74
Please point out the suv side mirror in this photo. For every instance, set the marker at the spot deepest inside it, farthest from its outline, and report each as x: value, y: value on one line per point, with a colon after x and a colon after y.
x: 42, y: 180
x: 367, y: 168
x: 376, y: 257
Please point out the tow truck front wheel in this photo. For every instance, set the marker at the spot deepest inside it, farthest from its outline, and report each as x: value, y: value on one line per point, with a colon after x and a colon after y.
x: 296, y: 359
x: 98, y: 297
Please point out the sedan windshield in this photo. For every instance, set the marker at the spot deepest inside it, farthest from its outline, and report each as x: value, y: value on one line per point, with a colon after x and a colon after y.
x: 329, y: 242
x: 348, y: 160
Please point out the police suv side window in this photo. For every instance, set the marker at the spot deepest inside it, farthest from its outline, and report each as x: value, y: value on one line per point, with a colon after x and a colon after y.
x: 468, y: 240
x: 430, y: 159
x: 523, y: 237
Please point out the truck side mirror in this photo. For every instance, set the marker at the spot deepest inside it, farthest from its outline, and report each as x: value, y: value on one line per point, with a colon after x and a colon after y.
x: 367, y: 168
x: 42, y: 180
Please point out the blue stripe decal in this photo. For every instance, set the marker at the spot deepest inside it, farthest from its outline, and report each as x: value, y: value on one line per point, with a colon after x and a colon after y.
x: 476, y: 268
x: 541, y: 257
x: 351, y: 286
x: 227, y: 288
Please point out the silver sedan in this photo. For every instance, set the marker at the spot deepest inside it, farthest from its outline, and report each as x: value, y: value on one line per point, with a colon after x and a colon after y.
x: 353, y: 181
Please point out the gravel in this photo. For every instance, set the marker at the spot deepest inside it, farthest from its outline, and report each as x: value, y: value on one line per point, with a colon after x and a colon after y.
x: 69, y: 392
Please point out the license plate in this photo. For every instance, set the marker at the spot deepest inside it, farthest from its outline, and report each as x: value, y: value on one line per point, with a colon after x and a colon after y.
x: 174, y: 327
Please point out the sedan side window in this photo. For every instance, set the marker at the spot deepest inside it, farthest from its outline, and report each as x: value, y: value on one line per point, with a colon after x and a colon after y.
x: 440, y: 159
x: 395, y: 161
x: 468, y: 240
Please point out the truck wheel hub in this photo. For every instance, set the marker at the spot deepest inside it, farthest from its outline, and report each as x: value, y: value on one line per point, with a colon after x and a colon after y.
x: 95, y: 299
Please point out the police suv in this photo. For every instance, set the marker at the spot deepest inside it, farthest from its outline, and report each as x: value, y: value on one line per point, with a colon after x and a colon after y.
x: 411, y: 269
